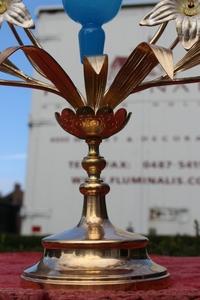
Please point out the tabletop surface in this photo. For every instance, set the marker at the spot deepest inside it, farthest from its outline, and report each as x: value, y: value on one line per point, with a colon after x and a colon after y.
x: 185, y: 281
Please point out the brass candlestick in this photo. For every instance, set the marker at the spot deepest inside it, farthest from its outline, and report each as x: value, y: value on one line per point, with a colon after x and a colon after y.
x: 95, y: 253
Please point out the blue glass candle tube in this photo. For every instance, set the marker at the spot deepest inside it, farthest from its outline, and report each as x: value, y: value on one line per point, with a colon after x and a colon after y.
x: 91, y: 14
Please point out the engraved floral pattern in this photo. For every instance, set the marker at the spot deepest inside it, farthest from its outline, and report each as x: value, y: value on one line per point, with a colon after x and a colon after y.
x: 186, y: 14
x: 86, y: 124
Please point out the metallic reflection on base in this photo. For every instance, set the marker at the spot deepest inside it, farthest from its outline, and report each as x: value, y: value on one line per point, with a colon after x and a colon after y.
x: 95, y: 253
x: 120, y: 263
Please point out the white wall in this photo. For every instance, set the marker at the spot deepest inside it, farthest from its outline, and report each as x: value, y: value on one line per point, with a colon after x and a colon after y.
x: 161, y: 142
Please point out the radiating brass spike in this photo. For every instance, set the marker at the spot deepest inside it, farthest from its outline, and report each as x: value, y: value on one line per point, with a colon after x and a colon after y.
x: 95, y: 73
x: 9, y: 68
x: 190, y: 60
x: 97, y: 62
x: 31, y: 84
x: 165, y: 82
x: 158, y: 33
x: 165, y: 59
x: 11, y: 64
x: 33, y: 40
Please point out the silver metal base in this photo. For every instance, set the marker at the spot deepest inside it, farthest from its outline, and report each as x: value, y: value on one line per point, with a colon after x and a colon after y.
x: 118, y: 261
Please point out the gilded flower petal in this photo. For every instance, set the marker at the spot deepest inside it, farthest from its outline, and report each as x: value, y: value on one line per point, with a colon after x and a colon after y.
x: 187, y: 30
x: 165, y: 10
x: 179, y: 21
x: 186, y: 15
x: 193, y: 29
x: 17, y: 14
x: 1, y: 20
x: 198, y: 26
x: 185, y: 38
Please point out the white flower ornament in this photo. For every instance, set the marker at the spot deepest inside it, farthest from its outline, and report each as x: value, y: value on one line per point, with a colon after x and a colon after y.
x: 186, y: 14
x: 16, y: 13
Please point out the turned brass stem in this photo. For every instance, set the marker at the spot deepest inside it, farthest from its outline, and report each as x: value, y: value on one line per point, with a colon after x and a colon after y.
x: 93, y: 164
x: 94, y: 191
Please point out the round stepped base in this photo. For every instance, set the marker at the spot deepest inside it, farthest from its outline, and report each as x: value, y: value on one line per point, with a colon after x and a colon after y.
x: 110, y: 263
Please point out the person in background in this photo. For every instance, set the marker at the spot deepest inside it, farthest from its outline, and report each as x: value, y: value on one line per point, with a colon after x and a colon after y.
x: 17, y: 197
x: 15, y: 201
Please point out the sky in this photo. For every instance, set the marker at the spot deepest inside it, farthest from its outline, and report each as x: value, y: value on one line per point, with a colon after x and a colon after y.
x: 15, y: 106
x: 15, y: 109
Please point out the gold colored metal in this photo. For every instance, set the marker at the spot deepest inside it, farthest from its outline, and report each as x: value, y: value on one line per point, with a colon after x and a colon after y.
x: 164, y: 81
x: 190, y: 60
x: 190, y: 7
x: 95, y: 253
x: 16, y: 13
x: 158, y: 33
x: 184, y: 12
x: 3, y: 7
x: 174, y: 44
x: 51, y: 69
x: 30, y: 84
x: 95, y: 73
x: 32, y: 38
x: 138, y: 65
x: 11, y: 69
x: 85, y: 123
x: 16, y: 35
x: 130, y: 78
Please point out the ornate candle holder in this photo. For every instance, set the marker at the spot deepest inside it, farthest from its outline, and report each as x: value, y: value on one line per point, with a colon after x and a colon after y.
x: 95, y: 253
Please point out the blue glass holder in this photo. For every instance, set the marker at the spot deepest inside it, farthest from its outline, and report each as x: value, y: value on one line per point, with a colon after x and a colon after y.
x: 91, y: 14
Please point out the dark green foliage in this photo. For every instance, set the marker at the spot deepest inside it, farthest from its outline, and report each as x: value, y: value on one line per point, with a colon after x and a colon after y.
x: 197, y: 227
x: 179, y: 245
x: 19, y: 243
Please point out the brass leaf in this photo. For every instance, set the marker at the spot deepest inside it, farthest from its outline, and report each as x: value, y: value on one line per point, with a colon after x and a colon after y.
x: 190, y: 60
x: 95, y: 74
x: 31, y: 84
x: 165, y: 82
x: 51, y: 69
x: 165, y: 59
x: 138, y: 65
x: 10, y: 68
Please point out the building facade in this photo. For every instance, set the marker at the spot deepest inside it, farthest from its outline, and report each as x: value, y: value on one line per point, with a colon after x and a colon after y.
x: 153, y: 164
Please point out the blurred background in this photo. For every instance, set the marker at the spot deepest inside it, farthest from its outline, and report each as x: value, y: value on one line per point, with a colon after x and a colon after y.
x: 153, y: 164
